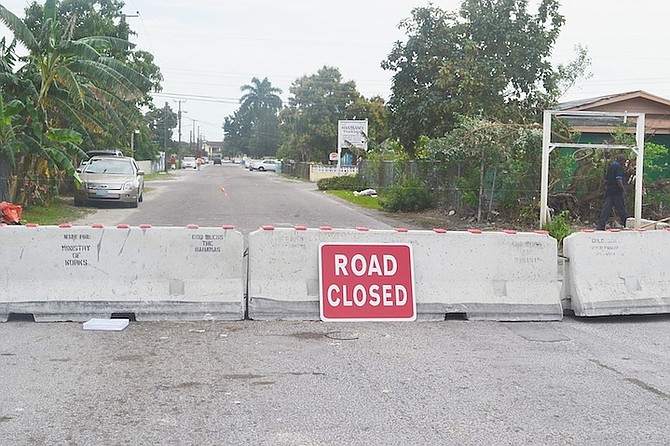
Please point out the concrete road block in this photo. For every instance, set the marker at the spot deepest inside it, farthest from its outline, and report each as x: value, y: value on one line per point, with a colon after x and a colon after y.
x: 78, y: 273
x: 617, y: 272
x: 495, y: 276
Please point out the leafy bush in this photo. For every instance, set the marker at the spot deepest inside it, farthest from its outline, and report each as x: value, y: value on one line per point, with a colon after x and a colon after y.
x: 410, y: 196
x: 559, y: 226
x: 344, y: 182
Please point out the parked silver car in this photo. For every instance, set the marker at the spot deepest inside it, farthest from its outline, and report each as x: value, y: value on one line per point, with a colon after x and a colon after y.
x: 263, y: 165
x: 110, y: 179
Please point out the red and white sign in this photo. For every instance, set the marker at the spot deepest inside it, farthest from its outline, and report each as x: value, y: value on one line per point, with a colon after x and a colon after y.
x: 334, y: 156
x: 363, y: 282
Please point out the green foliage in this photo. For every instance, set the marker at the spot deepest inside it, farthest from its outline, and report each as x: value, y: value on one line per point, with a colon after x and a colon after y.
x: 655, y: 162
x: 53, y: 212
x: 75, y: 90
x: 559, y: 226
x: 365, y: 201
x: 468, y: 191
x: 409, y: 196
x: 491, y: 58
x: 308, y: 124
x: 253, y: 129
x: 499, y: 163
x: 343, y: 182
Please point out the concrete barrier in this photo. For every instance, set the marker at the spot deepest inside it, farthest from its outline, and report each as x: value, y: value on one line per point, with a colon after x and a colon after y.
x: 617, y: 272
x: 647, y: 224
x: 77, y: 273
x: 504, y: 276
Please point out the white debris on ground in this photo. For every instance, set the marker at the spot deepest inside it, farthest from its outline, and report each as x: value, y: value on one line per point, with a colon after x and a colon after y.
x: 106, y: 324
x: 366, y: 192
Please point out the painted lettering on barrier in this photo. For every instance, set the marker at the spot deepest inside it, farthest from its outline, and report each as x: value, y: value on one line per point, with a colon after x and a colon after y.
x: 208, y: 242
x: 366, y: 282
x: 529, y: 250
x: 75, y: 245
x: 604, y: 247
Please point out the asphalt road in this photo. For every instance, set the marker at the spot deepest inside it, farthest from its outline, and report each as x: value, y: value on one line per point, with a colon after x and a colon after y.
x: 229, y: 194
x: 603, y: 381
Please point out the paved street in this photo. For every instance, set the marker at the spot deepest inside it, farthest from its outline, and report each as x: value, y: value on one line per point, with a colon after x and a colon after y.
x: 604, y: 382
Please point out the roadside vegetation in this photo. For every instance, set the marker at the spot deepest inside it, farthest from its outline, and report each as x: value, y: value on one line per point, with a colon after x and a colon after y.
x: 369, y: 202
x: 56, y: 212
x: 459, y: 136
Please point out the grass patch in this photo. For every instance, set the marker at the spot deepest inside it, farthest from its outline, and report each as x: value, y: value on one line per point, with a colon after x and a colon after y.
x: 159, y: 176
x: 363, y: 201
x: 56, y: 212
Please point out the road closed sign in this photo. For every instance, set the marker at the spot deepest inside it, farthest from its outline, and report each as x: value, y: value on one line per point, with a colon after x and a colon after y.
x: 364, y: 282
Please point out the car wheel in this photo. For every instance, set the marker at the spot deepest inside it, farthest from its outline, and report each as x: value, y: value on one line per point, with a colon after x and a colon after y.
x: 261, y: 169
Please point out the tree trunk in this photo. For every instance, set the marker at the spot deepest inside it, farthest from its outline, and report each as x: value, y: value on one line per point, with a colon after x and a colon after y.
x: 5, y: 169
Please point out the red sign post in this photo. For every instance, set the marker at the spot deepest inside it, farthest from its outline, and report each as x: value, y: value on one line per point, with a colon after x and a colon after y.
x: 362, y: 282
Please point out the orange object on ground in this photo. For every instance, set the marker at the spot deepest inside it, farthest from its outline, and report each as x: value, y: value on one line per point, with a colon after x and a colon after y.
x: 10, y: 213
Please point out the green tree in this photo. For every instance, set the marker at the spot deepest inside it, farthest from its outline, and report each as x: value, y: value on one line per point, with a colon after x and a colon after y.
x: 490, y: 59
x: 254, y: 128
x: 160, y: 121
x: 67, y: 83
x: 499, y: 163
x: 237, y: 130
x: 260, y: 96
x: 84, y: 18
x: 309, y: 123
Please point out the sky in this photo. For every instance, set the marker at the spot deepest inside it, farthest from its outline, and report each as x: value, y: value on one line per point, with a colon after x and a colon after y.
x: 208, y: 49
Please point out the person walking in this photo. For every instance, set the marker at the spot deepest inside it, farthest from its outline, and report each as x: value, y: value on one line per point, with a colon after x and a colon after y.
x: 615, y: 193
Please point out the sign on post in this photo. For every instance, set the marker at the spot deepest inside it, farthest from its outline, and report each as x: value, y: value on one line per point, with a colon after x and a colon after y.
x: 363, y: 282
x: 351, y: 134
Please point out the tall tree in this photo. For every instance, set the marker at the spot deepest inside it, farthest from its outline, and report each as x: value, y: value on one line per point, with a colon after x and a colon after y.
x: 69, y: 83
x: 309, y: 123
x: 259, y: 96
x: 85, y: 18
x: 254, y: 127
x: 490, y: 59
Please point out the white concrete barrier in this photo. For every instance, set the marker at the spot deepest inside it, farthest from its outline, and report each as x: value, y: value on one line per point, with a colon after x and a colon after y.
x: 498, y: 276
x: 77, y: 273
x: 617, y: 272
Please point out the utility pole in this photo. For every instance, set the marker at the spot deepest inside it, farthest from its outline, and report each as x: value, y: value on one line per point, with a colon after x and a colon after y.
x: 195, y: 142
x: 125, y: 25
x: 179, y: 120
x: 179, y: 126
x: 165, y: 125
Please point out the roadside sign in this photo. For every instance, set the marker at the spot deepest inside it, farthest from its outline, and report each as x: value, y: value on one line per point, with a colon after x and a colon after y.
x: 366, y: 282
x: 334, y: 156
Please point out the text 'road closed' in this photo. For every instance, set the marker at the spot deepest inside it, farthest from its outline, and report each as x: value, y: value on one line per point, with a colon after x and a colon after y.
x: 366, y: 282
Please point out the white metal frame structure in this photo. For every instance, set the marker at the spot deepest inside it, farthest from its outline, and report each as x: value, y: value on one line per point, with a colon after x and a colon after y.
x: 548, y: 146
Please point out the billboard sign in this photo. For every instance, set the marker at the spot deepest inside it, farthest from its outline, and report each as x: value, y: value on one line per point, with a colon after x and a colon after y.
x: 352, y: 133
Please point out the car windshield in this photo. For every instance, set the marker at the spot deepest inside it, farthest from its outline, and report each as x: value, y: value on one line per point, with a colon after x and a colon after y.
x: 109, y: 166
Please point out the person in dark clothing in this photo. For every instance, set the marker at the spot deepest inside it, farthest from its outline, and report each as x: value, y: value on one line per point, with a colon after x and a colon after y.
x: 615, y: 193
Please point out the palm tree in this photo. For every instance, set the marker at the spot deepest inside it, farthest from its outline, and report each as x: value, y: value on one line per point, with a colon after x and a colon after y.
x: 68, y: 83
x: 258, y: 109
x: 261, y: 95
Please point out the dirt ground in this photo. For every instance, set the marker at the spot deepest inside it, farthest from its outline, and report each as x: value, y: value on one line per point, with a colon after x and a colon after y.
x: 436, y: 218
